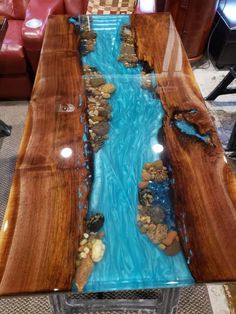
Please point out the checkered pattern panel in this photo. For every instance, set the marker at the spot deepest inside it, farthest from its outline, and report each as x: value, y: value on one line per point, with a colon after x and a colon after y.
x: 110, y: 6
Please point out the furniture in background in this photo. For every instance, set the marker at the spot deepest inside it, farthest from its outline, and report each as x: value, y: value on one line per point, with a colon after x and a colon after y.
x: 33, y: 29
x: 5, y: 130
x: 14, y: 76
x: 222, y: 88
x: 75, y: 7
x: 223, y: 52
x: 223, y: 41
x: 27, y: 20
x: 21, y: 47
x: 193, y: 20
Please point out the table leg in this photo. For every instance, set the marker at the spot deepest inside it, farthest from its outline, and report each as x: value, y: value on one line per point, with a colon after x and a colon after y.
x: 64, y: 304
x: 222, y: 87
x: 5, y: 130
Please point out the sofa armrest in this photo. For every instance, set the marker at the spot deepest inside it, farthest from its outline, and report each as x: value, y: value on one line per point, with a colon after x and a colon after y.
x: 37, y: 14
x: 76, y: 7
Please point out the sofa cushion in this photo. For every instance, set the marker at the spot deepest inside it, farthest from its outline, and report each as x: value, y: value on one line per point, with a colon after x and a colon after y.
x: 76, y: 7
x: 12, y: 57
x: 13, y: 9
x: 15, y: 87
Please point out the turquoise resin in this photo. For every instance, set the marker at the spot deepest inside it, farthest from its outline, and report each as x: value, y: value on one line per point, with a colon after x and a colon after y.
x: 131, y: 260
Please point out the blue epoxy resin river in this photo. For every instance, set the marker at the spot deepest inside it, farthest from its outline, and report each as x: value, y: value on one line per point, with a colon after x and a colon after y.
x: 131, y: 260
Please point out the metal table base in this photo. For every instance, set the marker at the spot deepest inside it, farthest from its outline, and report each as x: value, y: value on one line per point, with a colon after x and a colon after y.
x: 165, y: 302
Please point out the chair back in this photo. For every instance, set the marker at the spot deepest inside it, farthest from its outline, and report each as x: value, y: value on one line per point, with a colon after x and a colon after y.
x: 13, y: 9
x: 76, y: 7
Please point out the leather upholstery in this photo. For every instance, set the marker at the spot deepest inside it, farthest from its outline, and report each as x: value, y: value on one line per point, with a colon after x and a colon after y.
x: 15, y: 86
x: 160, y: 5
x: 13, y: 9
x: 76, y: 7
x: 12, y: 58
x: 33, y: 37
x: 40, y: 10
x: 15, y: 82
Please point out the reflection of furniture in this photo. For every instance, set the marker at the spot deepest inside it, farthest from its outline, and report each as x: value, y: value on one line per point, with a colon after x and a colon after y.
x: 223, y: 42
x: 193, y: 20
x: 37, y: 245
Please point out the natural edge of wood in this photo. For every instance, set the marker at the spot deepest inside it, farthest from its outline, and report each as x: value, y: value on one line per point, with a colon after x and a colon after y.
x: 46, y: 211
x: 205, y: 187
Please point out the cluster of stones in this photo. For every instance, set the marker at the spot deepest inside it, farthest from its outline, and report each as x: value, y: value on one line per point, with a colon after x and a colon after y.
x: 87, y: 38
x: 127, y: 53
x: 98, y: 93
x: 151, y: 218
x: 91, y: 250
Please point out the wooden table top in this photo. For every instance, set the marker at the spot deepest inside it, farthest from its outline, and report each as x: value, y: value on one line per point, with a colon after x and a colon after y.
x: 3, y: 28
x: 42, y: 225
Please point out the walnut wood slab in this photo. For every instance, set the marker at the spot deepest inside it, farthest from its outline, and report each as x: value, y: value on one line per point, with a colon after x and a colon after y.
x: 43, y: 220
x: 205, y: 188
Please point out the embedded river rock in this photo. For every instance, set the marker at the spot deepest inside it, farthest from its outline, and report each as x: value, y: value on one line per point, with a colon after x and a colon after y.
x: 204, y: 186
x: 151, y: 217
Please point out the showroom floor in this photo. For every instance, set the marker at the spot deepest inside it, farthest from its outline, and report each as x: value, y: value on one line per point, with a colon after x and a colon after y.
x: 202, y: 299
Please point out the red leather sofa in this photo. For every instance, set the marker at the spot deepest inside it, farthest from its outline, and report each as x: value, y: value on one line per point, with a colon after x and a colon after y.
x: 23, y: 41
x: 40, y: 10
x: 14, y: 77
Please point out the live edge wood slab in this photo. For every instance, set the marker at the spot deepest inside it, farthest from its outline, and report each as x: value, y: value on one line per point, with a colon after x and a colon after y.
x: 45, y: 216
x: 205, y: 187
x: 43, y: 221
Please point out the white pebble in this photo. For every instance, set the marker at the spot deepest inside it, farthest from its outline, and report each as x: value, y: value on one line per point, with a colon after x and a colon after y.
x: 86, y: 236
x: 86, y: 250
x: 83, y: 255
x: 83, y: 242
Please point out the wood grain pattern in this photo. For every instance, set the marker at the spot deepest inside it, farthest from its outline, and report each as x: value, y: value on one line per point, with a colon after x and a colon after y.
x: 205, y: 187
x: 3, y: 28
x: 43, y: 221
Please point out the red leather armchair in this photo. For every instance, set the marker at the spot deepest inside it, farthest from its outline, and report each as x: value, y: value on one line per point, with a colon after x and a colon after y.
x: 37, y: 14
x: 15, y: 82
x: 76, y: 7
x: 22, y: 43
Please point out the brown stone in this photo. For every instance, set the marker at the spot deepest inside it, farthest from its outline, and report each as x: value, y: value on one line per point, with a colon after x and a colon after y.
x: 97, y: 81
x: 173, y: 249
x: 171, y: 236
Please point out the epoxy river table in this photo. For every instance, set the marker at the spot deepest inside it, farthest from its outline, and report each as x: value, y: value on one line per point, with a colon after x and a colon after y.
x: 74, y: 162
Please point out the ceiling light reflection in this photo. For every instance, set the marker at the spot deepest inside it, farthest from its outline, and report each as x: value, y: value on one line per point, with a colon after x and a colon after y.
x: 157, y: 148
x: 34, y: 23
x: 66, y: 152
x: 147, y: 6
x: 5, y: 226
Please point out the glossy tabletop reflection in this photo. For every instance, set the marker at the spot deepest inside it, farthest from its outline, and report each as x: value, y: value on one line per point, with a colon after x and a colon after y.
x: 65, y: 172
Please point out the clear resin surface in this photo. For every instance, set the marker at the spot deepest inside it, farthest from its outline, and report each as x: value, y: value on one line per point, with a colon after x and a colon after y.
x: 131, y: 260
